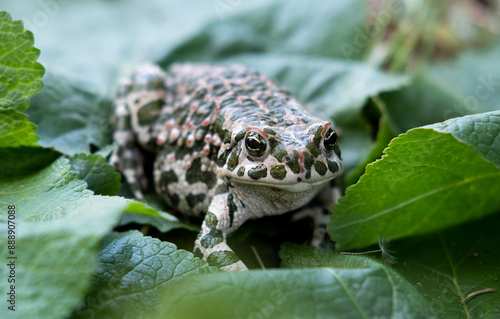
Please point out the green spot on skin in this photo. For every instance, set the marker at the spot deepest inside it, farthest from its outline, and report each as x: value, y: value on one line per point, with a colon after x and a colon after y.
x: 165, y: 179
x: 269, y: 131
x: 337, y: 151
x: 320, y: 167
x: 193, y: 199
x: 278, y: 172
x: 231, y: 207
x: 293, y: 163
x: 273, y: 143
x: 240, y: 135
x: 194, y: 174
x: 223, y: 157
x: 211, y: 220
x: 277, y: 150
x: 234, y: 159
x: 257, y: 172
x: 241, y: 171
x: 222, y: 258
x: 197, y: 253
x: 212, y: 239
x: 313, y: 146
x: 333, y: 166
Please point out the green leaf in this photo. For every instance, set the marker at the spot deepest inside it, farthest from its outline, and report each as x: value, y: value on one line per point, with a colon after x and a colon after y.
x: 20, y: 78
x: 40, y: 194
x: 140, y: 213
x: 100, y: 177
x: 58, y: 226
x: 404, y: 295
x: 364, y: 289
x: 479, y: 131
x: 467, y: 85
x: 280, y: 26
x: 131, y: 270
x: 427, y: 181
x: 24, y: 160
x: 128, y: 40
x: 71, y: 115
x: 16, y: 130
x: 197, y: 31
x: 20, y: 74
x: 448, y: 266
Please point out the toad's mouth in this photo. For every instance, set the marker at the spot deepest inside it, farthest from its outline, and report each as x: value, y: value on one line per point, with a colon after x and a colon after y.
x: 291, y: 185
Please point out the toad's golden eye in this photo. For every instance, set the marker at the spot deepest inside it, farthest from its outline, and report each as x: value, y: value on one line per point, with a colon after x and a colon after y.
x: 256, y: 144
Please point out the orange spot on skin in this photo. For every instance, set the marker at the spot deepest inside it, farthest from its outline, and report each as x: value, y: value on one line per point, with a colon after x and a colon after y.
x: 325, y: 127
x: 258, y: 130
x: 301, y: 162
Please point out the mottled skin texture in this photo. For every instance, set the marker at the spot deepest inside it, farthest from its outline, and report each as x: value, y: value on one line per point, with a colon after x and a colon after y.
x: 230, y: 145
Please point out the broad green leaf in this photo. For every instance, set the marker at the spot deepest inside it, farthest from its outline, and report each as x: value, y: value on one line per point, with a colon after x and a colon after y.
x: 384, y: 135
x: 467, y: 85
x: 15, y: 129
x: 142, y: 214
x: 100, y: 177
x: 281, y: 26
x: 113, y: 38
x: 448, y: 266
x: 197, y: 30
x: 19, y: 79
x: 58, y: 228
x: 71, y: 115
x: 361, y: 291
x: 19, y: 72
x: 480, y: 131
x: 39, y: 195
x: 473, y: 78
x: 337, y: 88
x: 427, y: 181
x: 131, y: 270
x: 24, y: 160
x: 404, y: 296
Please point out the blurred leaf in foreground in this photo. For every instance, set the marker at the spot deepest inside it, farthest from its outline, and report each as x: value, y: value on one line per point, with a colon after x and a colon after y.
x: 350, y: 288
x: 131, y: 270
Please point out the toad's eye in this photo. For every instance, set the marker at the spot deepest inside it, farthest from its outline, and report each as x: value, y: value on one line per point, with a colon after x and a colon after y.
x: 256, y: 144
x: 330, y: 139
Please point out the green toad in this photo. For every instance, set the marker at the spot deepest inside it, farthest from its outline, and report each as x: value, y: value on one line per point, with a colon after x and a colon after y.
x: 230, y: 145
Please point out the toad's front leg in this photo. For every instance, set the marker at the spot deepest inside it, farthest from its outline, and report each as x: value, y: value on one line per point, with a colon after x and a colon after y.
x: 225, y: 214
